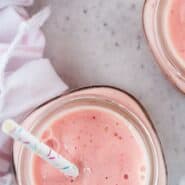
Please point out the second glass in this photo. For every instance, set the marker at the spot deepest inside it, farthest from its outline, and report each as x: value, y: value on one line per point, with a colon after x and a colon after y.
x: 163, y: 22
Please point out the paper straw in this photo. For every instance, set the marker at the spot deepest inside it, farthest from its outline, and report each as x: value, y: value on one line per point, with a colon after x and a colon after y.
x: 18, y: 133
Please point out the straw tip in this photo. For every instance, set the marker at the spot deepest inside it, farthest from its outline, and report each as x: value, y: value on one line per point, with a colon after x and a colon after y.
x: 8, y: 126
x: 76, y: 171
x: 71, y: 170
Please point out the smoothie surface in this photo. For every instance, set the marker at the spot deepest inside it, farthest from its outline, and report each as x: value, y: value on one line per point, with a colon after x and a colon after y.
x: 176, y: 26
x: 104, y: 145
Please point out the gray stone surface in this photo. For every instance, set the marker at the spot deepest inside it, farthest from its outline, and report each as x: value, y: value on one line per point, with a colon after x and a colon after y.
x: 102, y: 42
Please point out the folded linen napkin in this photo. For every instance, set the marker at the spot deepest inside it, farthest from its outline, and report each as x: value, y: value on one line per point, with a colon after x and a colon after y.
x: 26, y: 78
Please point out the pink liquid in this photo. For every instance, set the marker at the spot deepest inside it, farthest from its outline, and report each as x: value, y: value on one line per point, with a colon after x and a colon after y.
x: 104, y: 145
x: 176, y: 26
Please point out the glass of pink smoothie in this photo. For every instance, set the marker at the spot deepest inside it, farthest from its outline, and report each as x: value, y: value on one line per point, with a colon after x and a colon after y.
x: 164, y: 26
x: 104, y: 131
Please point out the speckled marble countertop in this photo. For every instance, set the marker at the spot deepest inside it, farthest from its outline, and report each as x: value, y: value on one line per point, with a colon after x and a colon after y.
x: 102, y: 42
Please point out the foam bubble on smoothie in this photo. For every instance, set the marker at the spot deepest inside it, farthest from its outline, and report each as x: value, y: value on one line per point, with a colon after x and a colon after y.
x: 105, y: 146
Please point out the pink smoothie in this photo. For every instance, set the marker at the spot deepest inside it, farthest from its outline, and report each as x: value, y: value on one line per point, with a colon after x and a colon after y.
x: 104, y: 145
x: 176, y: 26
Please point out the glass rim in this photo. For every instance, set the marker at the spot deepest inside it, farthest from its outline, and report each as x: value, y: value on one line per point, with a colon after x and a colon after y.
x: 122, y: 91
x: 173, y: 71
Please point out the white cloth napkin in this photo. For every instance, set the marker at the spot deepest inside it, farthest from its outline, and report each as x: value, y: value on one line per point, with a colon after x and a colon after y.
x: 26, y: 78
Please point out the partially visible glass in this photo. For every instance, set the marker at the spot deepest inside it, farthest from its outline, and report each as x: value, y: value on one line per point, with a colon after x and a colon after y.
x: 108, y: 97
x: 155, y: 26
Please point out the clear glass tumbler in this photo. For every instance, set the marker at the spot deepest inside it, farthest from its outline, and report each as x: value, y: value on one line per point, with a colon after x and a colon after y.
x: 155, y: 25
x: 111, y: 98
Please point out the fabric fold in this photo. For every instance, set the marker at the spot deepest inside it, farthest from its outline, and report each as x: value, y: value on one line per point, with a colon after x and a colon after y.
x: 26, y: 78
